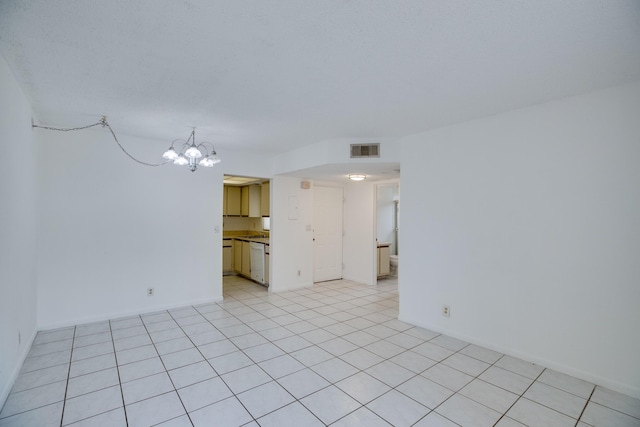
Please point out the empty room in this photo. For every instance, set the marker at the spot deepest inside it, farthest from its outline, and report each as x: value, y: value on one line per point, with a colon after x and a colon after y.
x: 344, y: 212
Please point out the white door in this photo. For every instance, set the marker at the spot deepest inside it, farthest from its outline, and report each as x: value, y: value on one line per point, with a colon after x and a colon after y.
x: 327, y: 233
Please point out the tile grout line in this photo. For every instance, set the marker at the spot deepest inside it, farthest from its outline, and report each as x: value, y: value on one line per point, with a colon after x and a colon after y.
x: 454, y: 391
x: 66, y: 387
x: 593, y: 390
x: 255, y: 363
x: 205, y: 359
x: 115, y: 356
x: 504, y: 414
x: 166, y: 371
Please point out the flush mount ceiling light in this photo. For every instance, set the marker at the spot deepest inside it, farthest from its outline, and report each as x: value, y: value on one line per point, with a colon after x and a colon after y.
x: 190, y: 153
x: 357, y: 177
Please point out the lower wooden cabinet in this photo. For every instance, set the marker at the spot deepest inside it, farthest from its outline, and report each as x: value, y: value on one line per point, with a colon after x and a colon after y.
x: 237, y: 256
x: 384, y: 266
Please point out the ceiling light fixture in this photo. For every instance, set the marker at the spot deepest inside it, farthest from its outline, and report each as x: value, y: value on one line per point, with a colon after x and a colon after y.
x: 190, y: 153
x: 357, y: 177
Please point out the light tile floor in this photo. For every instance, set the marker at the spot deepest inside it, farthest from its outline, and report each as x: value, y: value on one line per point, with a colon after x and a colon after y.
x: 334, y: 354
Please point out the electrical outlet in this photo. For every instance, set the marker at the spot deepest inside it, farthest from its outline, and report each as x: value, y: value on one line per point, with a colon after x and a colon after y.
x: 299, y: 273
x: 149, y: 292
x: 446, y: 311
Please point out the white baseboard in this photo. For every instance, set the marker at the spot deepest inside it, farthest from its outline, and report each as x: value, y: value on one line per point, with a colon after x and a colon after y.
x: 127, y: 313
x: 628, y: 389
x: 16, y: 370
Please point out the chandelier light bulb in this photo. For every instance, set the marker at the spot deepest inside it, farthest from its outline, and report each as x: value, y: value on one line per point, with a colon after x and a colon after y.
x: 170, y: 154
x: 206, y: 162
x: 181, y: 160
x: 193, y: 152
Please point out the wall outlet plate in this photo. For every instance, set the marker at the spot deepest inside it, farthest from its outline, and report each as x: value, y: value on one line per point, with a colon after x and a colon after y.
x: 446, y: 311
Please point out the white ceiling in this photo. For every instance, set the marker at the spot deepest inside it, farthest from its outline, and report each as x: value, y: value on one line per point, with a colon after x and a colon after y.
x: 276, y: 75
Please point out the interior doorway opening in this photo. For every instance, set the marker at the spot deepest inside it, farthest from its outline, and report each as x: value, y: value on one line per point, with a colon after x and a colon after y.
x: 246, y: 231
x: 387, y: 229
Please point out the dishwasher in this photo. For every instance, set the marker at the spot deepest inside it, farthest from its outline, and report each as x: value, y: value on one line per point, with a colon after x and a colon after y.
x: 257, y: 262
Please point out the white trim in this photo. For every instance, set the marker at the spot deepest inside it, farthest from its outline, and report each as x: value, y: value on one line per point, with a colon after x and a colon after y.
x: 116, y: 315
x: 627, y: 389
x: 16, y: 370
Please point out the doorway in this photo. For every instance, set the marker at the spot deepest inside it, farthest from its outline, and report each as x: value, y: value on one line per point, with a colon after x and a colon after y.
x: 246, y: 229
x: 387, y: 227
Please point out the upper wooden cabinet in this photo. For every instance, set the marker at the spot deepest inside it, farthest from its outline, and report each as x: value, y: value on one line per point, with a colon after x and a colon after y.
x: 245, y: 201
x: 244, y: 204
x: 232, y: 200
x: 254, y: 201
x: 264, y: 199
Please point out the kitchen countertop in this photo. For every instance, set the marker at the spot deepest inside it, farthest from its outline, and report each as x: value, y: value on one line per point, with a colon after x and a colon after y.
x: 250, y: 239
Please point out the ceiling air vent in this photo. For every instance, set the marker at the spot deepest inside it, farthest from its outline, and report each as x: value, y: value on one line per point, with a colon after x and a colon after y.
x: 365, y: 150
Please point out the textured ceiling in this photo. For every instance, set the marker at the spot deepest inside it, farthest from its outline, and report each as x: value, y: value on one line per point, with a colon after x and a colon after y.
x: 275, y: 75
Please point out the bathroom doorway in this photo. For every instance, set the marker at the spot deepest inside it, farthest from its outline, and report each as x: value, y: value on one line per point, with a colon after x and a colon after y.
x: 387, y: 228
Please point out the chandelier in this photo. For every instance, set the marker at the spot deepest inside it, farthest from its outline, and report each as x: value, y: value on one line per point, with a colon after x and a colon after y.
x: 188, y: 155
x: 191, y: 154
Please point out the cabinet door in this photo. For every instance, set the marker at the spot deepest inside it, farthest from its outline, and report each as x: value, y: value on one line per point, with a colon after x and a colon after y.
x: 264, y: 199
x: 384, y: 267
x: 233, y: 200
x: 246, y: 259
x: 254, y: 201
x: 225, y: 190
x: 244, y: 204
x: 237, y: 256
x: 227, y: 259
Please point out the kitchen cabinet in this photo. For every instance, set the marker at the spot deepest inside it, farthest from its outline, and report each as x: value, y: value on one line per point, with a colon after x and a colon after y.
x: 384, y: 267
x: 232, y: 200
x: 250, y: 201
x: 246, y: 259
x: 237, y: 256
x: 227, y: 256
x: 264, y: 199
x: 255, y: 201
x: 244, y: 204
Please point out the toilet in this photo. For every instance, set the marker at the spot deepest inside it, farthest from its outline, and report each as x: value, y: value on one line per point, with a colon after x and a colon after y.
x: 393, y: 260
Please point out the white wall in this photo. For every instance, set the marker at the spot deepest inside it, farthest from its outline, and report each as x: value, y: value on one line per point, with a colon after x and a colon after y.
x: 18, y: 316
x: 359, y: 245
x: 110, y: 228
x: 291, y: 242
x: 528, y: 225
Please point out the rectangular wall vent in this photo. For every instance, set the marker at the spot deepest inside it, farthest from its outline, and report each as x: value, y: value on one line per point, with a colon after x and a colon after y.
x: 365, y: 150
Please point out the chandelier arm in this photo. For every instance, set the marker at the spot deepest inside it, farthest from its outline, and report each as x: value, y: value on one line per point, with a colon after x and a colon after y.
x: 184, y: 146
x: 213, y: 149
x: 177, y: 140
